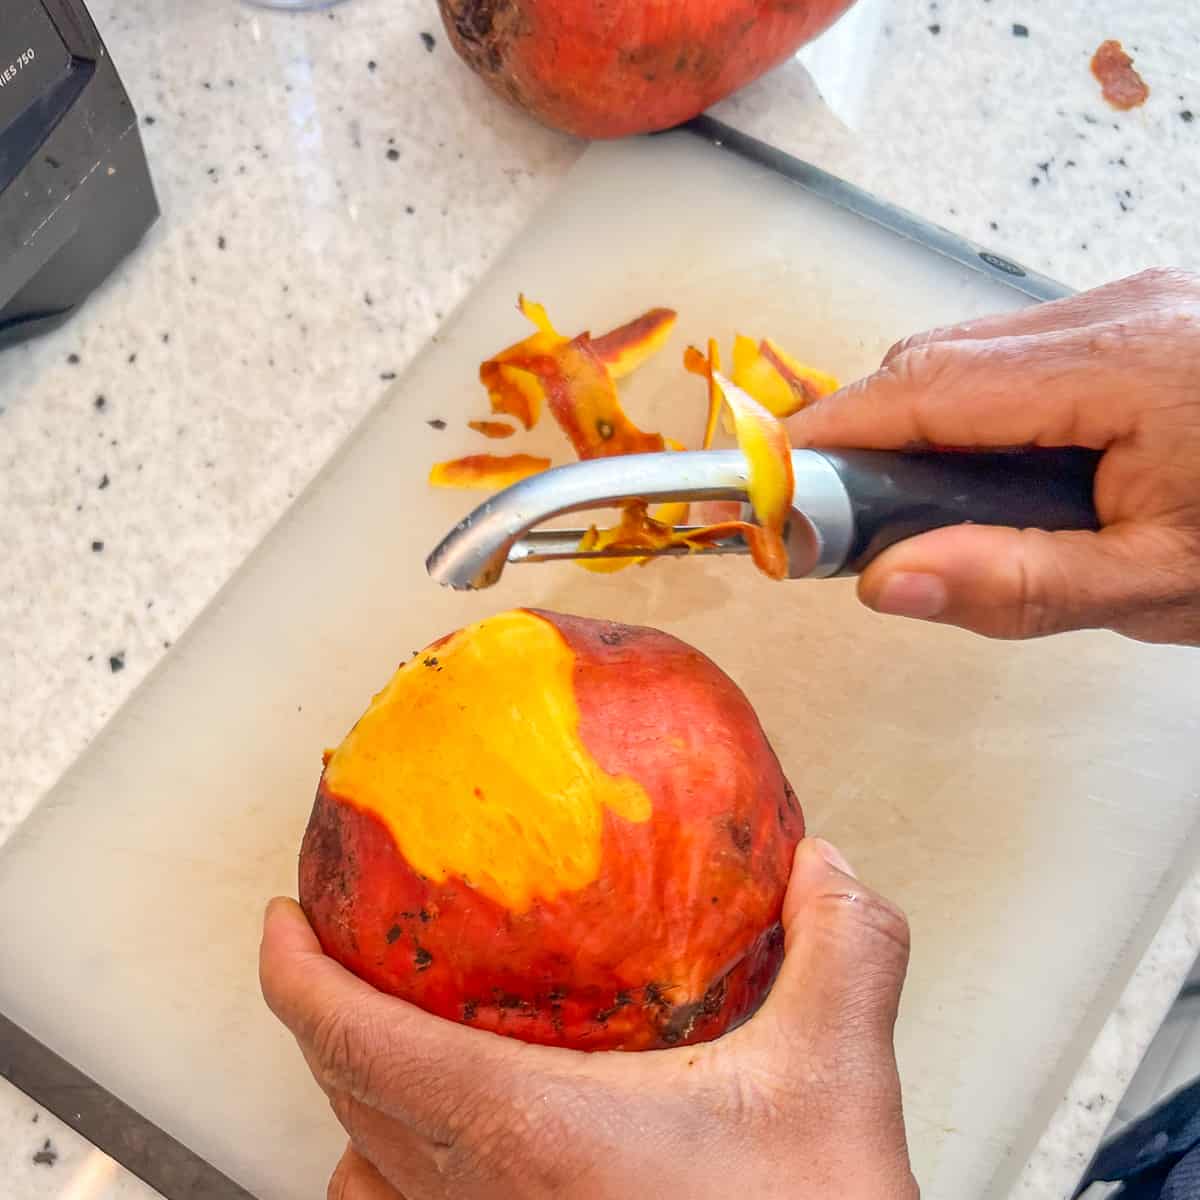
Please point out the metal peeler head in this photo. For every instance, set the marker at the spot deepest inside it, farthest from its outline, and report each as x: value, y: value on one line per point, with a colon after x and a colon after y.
x: 503, y: 529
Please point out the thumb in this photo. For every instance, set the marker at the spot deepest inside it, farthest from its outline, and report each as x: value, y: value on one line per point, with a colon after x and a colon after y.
x: 838, y: 991
x: 1021, y: 583
x: 380, y: 1051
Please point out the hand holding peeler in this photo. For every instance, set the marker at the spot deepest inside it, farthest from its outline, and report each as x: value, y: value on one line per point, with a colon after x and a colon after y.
x: 848, y: 505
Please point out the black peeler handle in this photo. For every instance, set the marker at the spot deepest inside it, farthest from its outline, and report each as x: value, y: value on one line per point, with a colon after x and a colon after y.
x: 894, y: 495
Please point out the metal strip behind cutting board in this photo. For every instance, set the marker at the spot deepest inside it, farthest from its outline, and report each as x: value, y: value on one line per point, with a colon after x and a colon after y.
x: 1031, y: 806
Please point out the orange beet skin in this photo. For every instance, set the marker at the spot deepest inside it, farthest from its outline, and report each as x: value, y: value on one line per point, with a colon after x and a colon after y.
x: 567, y: 831
x: 617, y: 67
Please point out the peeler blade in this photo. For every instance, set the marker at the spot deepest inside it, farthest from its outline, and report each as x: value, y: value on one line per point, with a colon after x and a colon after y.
x: 474, y: 554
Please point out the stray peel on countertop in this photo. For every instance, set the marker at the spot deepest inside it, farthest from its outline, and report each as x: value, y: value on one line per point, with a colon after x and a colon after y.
x: 488, y: 471
x: 575, y: 378
x: 493, y: 429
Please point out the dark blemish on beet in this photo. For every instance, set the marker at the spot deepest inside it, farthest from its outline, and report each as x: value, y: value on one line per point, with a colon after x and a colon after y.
x: 1020, y: 30
x: 116, y: 662
x: 507, y: 999
x: 393, y: 154
x: 605, y: 429
x: 73, y: 359
x: 714, y: 998
x: 436, y: 423
x: 97, y: 546
x: 470, y: 1009
x: 424, y: 916
x: 611, y: 637
x: 430, y: 661
x: 392, y: 934
x: 428, y: 40
x: 103, y: 482
x: 652, y: 996
x: 422, y: 959
x: 47, y: 1156
x: 620, y: 1000
x: 740, y: 836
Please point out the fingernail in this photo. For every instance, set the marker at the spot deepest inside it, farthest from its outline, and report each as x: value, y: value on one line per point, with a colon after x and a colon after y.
x: 909, y: 594
x: 833, y: 856
x: 272, y: 904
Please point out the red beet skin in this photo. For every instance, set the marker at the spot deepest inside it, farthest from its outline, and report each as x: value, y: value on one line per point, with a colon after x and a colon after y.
x: 675, y: 940
x: 609, y: 68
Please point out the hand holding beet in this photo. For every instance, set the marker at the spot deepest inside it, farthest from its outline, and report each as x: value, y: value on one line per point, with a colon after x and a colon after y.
x: 802, y: 1100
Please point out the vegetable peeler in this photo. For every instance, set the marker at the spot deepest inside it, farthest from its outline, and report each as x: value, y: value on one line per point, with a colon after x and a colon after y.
x: 848, y: 505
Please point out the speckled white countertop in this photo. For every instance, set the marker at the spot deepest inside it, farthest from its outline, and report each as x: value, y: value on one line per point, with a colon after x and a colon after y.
x: 332, y: 184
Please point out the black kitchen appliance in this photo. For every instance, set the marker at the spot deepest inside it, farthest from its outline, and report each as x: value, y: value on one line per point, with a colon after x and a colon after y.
x: 75, y: 189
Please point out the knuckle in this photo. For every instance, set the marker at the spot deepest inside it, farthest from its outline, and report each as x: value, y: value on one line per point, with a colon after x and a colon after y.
x: 333, y: 1044
x: 1043, y: 595
x: 903, y: 346
x: 338, y: 1043
x: 924, y: 374
x: 872, y: 919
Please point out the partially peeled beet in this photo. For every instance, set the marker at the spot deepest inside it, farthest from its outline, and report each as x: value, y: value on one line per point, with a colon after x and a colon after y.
x: 567, y: 831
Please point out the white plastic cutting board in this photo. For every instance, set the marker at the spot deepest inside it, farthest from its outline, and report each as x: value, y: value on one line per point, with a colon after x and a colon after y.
x: 1030, y: 806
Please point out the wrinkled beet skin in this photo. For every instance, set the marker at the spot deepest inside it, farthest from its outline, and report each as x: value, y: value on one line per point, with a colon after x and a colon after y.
x: 609, y: 69
x: 677, y: 940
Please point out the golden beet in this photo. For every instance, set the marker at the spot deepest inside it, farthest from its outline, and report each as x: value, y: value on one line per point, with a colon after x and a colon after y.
x: 564, y: 830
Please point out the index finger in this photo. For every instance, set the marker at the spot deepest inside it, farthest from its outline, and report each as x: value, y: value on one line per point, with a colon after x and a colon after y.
x: 1072, y: 387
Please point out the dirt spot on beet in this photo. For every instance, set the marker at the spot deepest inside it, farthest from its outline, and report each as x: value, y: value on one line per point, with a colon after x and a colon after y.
x: 481, y: 31
x: 393, y: 935
x: 422, y: 959
x: 740, y: 836
x: 685, y: 1017
x: 620, y: 1000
